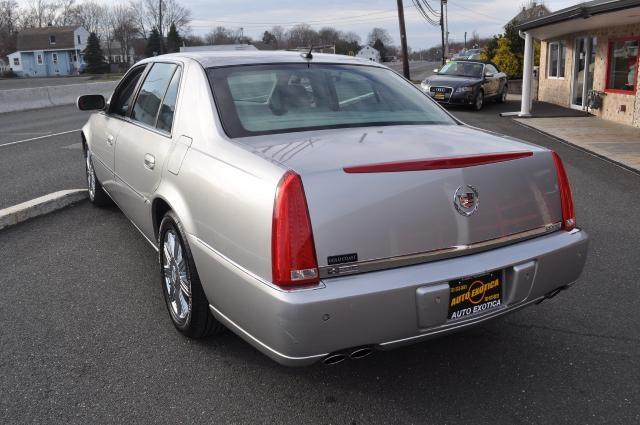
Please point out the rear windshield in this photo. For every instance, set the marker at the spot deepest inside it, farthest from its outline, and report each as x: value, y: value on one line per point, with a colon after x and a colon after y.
x: 267, y: 99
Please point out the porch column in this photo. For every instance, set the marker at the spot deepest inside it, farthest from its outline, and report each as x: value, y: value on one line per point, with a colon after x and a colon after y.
x: 527, y: 76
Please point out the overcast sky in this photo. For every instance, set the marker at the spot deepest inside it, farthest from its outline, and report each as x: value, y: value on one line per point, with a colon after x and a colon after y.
x: 485, y: 16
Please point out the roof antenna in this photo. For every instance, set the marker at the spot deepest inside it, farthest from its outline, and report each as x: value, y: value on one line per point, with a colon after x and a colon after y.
x: 308, y: 55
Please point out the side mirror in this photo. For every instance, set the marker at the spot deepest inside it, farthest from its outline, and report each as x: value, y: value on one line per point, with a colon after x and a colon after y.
x: 91, y: 102
x: 436, y: 70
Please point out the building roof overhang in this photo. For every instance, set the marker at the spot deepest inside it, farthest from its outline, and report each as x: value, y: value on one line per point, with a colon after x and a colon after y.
x: 584, y: 16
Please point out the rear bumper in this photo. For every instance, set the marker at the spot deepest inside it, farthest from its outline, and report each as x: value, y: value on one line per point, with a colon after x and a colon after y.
x: 389, y: 308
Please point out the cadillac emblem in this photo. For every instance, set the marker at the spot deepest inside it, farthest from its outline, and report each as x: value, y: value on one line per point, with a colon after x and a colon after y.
x: 466, y: 200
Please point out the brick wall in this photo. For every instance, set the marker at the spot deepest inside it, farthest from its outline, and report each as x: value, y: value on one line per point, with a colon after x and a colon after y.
x: 558, y: 91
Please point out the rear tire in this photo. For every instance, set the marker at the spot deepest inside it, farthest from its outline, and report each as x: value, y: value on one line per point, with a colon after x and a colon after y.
x: 183, y: 294
x: 97, y: 195
x: 478, y: 102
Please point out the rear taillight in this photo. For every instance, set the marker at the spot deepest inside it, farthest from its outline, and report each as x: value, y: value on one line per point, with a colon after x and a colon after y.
x: 566, y: 199
x: 293, y: 254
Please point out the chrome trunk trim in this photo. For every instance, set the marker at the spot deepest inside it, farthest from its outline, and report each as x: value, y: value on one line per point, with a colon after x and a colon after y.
x: 347, y: 269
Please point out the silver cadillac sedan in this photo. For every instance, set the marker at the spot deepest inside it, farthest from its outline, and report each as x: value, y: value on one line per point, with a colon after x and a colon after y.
x: 322, y: 207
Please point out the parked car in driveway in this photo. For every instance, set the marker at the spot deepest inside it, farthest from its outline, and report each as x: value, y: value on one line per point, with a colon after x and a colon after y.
x: 322, y: 207
x: 467, y: 82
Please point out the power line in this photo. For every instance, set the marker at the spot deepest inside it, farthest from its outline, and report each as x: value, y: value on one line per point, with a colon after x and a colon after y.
x: 332, y: 24
x: 328, y: 21
x: 476, y: 12
x: 417, y: 4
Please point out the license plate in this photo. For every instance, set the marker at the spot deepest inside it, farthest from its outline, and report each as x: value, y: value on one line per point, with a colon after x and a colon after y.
x: 475, y: 295
x: 439, y: 96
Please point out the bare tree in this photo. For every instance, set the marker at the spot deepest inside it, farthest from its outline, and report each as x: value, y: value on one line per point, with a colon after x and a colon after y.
x: 280, y: 34
x: 92, y: 16
x: 379, y: 34
x: 123, y: 28
x: 8, y: 26
x: 147, y: 16
x: 302, y: 35
x: 220, y: 35
x: 38, y: 13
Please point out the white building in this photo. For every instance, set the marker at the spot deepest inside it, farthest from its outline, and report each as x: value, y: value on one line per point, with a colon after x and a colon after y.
x: 369, y: 53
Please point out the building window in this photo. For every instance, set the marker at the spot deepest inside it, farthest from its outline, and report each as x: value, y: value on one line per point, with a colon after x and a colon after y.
x: 52, y: 39
x: 79, y: 42
x: 622, y: 69
x: 54, y: 57
x: 16, y: 61
x: 555, y: 64
x: 39, y: 59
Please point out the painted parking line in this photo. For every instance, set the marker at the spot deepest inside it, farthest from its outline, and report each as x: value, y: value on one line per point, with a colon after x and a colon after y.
x: 38, y: 138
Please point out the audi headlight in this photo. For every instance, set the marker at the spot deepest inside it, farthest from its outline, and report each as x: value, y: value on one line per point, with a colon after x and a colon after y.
x: 425, y: 86
x: 464, y: 89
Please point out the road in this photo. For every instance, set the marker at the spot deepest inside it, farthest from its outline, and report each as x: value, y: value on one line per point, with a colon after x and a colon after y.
x: 419, y: 70
x: 86, y: 338
x: 31, y: 168
x: 30, y: 82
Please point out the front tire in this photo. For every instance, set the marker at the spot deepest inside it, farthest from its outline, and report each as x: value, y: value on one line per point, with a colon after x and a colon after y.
x: 97, y: 195
x: 183, y: 294
x: 503, y: 95
x: 478, y: 102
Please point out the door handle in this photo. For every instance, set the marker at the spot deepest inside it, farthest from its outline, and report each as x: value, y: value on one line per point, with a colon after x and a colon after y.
x: 149, y: 161
x: 110, y: 139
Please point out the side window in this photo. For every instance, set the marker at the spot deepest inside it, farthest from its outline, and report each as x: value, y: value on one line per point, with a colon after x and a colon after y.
x: 491, y: 69
x: 153, y: 89
x: 122, y: 97
x: 168, y: 108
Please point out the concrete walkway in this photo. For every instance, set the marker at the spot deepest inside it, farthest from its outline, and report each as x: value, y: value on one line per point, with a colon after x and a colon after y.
x: 617, y: 142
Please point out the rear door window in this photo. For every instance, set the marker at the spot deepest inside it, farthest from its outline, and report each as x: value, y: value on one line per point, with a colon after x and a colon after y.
x: 152, y: 93
x: 167, y: 110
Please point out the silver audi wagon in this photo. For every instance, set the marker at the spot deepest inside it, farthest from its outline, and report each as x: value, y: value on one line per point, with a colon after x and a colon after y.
x: 322, y: 207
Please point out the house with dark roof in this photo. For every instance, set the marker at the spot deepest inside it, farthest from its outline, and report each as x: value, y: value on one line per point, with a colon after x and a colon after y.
x: 49, y: 51
x: 533, y: 10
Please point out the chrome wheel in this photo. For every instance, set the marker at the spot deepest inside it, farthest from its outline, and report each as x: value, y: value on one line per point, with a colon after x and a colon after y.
x: 91, y: 178
x: 479, y: 100
x: 176, y: 278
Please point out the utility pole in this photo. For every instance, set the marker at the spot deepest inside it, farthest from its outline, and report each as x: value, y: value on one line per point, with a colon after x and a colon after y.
x: 465, y: 41
x: 446, y: 29
x: 444, y: 59
x: 403, y: 41
x: 160, y: 24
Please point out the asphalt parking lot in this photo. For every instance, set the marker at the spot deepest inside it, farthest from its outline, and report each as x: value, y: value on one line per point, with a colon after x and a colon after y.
x: 85, y: 336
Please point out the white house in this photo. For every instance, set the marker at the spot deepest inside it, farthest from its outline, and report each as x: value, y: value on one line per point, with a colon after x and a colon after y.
x: 369, y: 53
x: 3, y: 66
x: 49, y: 51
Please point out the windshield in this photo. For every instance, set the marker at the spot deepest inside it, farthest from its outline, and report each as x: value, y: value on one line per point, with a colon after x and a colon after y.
x: 463, y: 69
x: 267, y: 99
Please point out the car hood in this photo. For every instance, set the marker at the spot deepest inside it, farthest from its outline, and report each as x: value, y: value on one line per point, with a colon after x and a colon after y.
x: 452, y: 81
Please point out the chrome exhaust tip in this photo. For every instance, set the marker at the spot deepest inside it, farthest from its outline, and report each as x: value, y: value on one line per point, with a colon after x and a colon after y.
x: 360, y: 353
x: 332, y: 359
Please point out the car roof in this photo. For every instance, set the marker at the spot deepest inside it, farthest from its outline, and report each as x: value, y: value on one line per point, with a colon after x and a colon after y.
x: 254, y: 57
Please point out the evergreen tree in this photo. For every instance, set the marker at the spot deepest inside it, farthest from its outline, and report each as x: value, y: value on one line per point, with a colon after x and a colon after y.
x: 174, y: 41
x: 507, y: 61
x: 154, y: 43
x: 93, y: 56
x: 380, y: 47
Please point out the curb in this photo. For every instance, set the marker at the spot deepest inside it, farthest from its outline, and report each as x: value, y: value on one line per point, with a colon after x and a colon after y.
x: 40, y: 206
